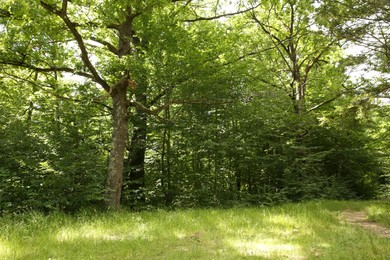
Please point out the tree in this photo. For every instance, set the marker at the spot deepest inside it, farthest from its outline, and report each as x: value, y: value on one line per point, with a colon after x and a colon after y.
x: 101, y: 42
x: 205, y: 106
x: 300, y: 48
x: 363, y: 26
x: 93, y: 40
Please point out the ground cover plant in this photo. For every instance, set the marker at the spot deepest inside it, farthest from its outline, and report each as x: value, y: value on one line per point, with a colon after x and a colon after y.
x: 290, y: 231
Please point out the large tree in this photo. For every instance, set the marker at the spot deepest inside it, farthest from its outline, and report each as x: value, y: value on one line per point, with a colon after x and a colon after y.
x: 296, y: 44
x: 103, y: 42
x: 92, y: 39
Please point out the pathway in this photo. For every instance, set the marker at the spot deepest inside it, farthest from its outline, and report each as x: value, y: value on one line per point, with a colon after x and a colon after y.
x: 360, y: 218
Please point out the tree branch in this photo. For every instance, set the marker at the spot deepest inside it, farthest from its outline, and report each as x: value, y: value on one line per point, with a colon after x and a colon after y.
x: 269, y: 33
x: 79, y: 39
x: 126, y: 34
x: 157, y: 98
x: 50, y: 69
x: 203, y: 102
x: 249, y: 54
x: 221, y: 15
x: 147, y: 110
x: 277, y: 43
x: 316, y: 59
x: 40, y: 86
x: 110, y: 47
x: 325, y: 102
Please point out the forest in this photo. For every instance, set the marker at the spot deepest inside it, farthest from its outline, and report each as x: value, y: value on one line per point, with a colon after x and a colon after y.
x: 110, y: 104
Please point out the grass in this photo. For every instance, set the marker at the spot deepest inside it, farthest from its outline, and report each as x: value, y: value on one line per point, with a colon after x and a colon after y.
x: 291, y: 231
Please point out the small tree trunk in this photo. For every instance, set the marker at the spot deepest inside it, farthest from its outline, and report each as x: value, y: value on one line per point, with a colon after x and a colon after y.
x: 299, y: 101
x: 118, y: 146
x: 135, y: 165
x: 166, y: 161
x: 137, y: 154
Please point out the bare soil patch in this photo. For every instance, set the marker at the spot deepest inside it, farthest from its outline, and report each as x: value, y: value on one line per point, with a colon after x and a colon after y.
x: 359, y: 218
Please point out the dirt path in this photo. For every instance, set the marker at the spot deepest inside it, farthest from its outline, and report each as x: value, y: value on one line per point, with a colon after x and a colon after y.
x: 359, y: 218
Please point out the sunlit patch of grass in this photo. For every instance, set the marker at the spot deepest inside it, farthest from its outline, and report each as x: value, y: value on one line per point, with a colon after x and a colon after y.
x: 5, y: 250
x: 291, y: 231
x: 379, y: 213
x: 103, y: 232
x: 267, y: 248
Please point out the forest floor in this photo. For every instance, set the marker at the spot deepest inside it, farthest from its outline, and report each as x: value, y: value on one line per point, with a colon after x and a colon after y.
x: 311, y: 230
x: 360, y: 218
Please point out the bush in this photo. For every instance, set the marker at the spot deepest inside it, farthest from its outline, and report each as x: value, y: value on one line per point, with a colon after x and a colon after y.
x: 35, y: 178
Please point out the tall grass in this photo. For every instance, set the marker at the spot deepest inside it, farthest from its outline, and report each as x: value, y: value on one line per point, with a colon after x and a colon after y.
x: 291, y: 231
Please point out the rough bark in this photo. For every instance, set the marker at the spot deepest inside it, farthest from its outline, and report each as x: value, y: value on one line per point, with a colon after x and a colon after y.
x: 118, y: 145
x: 118, y: 92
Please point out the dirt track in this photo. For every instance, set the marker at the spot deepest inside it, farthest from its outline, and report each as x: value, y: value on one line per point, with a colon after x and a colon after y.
x: 360, y: 218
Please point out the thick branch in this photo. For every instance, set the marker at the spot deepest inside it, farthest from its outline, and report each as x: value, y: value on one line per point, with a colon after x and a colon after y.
x: 147, y: 110
x: 80, y: 42
x: 109, y: 46
x: 50, y: 8
x: 126, y: 34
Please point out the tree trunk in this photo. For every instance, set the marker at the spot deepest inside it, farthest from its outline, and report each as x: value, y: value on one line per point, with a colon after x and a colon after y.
x: 135, y: 165
x: 299, y: 97
x: 118, y: 146
x: 166, y: 161
x: 137, y: 153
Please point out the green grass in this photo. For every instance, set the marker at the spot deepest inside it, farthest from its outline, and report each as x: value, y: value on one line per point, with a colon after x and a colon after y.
x: 291, y: 231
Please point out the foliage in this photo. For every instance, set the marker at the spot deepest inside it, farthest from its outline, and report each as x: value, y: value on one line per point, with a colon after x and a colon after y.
x: 42, y: 169
x: 255, y: 108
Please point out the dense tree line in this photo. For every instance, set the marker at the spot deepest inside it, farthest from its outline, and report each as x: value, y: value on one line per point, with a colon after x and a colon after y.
x: 191, y: 103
